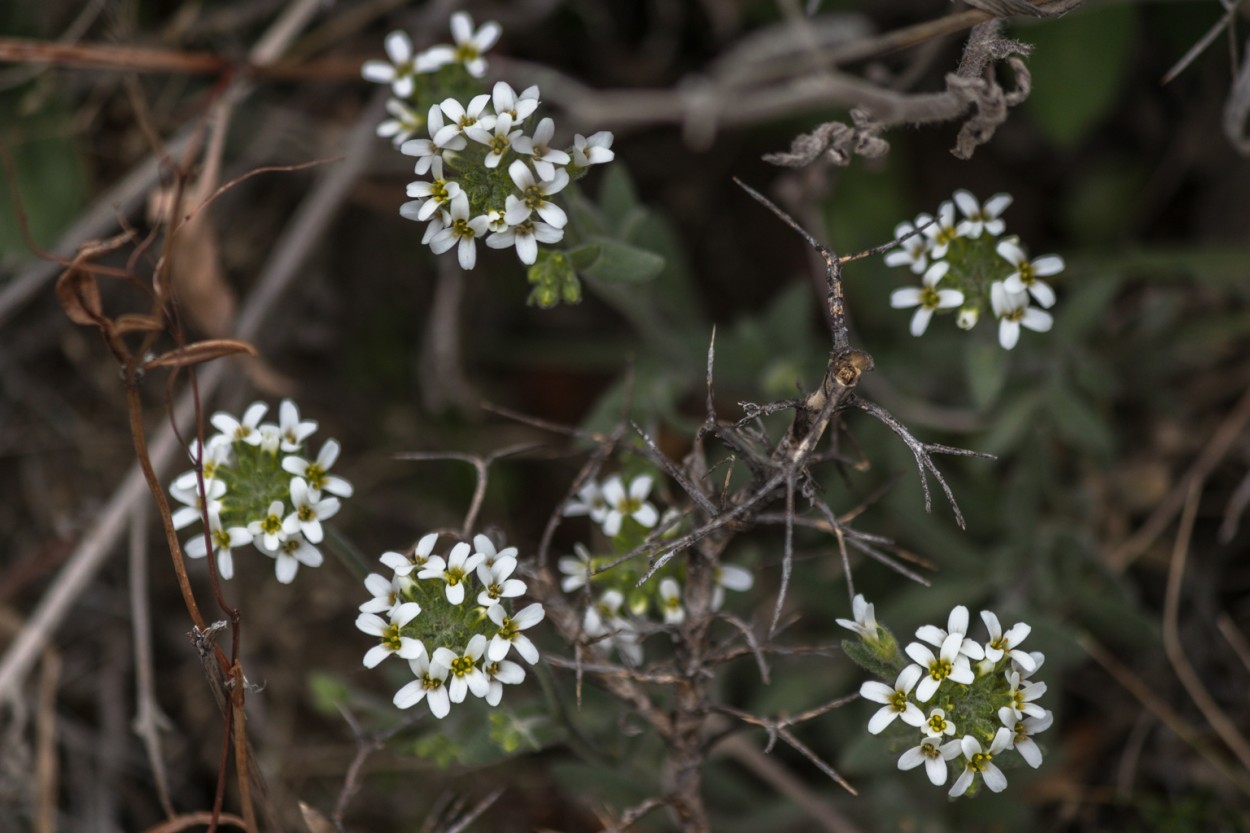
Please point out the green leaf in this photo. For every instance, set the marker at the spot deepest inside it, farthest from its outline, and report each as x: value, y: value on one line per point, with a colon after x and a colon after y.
x: 1078, y: 66
x: 1078, y: 424
x: 51, y: 181
x: 617, y: 196
x: 1012, y: 423
x: 612, y: 261
x: 985, y: 365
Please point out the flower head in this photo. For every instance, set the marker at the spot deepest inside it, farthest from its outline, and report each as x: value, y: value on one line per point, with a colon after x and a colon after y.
x: 622, y: 505
x: 1013, y: 312
x: 980, y: 761
x: 398, y: 69
x: 933, y: 756
x: 1028, y: 275
x: 224, y: 540
x: 979, y: 218
x: 595, y: 150
x: 897, y: 700
x: 390, y: 640
x: 509, y: 632
x: 470, y: 45
x: 535, y: 196
x: 538, y: 146
x: 317, y: 473
x: 454, y: 571
x: 430, y: 685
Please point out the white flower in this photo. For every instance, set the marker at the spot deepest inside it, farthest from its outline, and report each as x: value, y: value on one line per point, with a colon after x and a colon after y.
x: 1028, y: 275
x: 670, y: 602
x: 957, y: 622
x: 534, y: 196
x: 504, y: 100
x: 539, y: 147
x: 943, y: 230
x: 402, y: 565
x: 526, y: 236
x: 1023, y: 731
x: 948, y: 664
x: 729, y: 577
x: 388, y: 632
x: 310, y: 508
x: 218, y: 455
x: 404, y: 122
x: 430, y: 685
x: 469, y: 46
x: 317, y: 473
x: 294, y: 430
x: 270, y: 437
x: 224, y: 540
x: 865, y: 622
x: 496, y: 222
x: 607, y: 628
x: 1013, y: 312
x: 933, y: 757
x: 496, y: 583
x: 897, y: 703
x: 501, y: 673
x: 632, y: 505
x: 462, y: 231
x: 1023, y: 695
x: 1038, y: 658
x: 914, y: 251
x: 576, y: 569
x: 291, y: 553
x: 426, y: 150
x: 486, y: 547
x: 244, y: 430
x: 968, y: 317
x: 928, y: 298
x: 463, y: 672
x: 438, y: 193
x: 454, y: 571
x: 268, y: 532
x: 589, y: 501
x: 398, y: 70
x: 462, y: 118
x: 936, y: 726
x: 1003, y: 644
x: 509, y: 632
x: 978, y: 760
x: 193, y: 498
x: 500, y: 140
x: 595, y: 150
x: 385, y: 591
x: 981, y: 218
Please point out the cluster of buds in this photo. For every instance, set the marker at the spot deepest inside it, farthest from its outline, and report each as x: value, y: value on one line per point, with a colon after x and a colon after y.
x: 962, y: 703
x: 257, y: 487
x: 617, y: 608
x: 451, y: 617
x: 968, y: 266
x: 487, y: 178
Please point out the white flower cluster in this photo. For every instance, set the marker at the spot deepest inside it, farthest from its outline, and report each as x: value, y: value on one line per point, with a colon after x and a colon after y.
x: 970, y: 701
x: 456, y: 643
x: 969, y: 264
x: 615, y: 614
x: 488, y: 180
x: 261, y: 490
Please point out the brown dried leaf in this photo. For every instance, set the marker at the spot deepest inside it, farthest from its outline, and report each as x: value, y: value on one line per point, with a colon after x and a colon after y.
x: 134, y: 322
x: 80, y: 297
x: 199, y: 280
x: 200, y: 352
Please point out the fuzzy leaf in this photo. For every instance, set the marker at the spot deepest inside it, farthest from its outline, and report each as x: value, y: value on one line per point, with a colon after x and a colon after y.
x: 612, y: 261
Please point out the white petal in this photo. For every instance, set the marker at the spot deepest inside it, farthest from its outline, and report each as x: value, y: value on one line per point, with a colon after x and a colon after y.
x: 920, y: 321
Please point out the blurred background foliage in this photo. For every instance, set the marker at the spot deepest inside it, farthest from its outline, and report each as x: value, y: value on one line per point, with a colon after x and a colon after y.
x: 1094, y: 425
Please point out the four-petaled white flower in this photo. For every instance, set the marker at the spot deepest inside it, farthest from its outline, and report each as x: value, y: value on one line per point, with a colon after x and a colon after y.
x: 539, y: 147
x: 928, y: 298
x: 499, y: 140
x: 290, y: 553
x: 294, y: 430
x: 505, y: 100
x: 458, y: 566
x: 897, y: 700
x: 268, y: 530
x: 1013, y: 312
x: 589, y: 501
x: 244, y: 430
x: 622, y: 505
x: 576, y: 569
x: 463, y: 673
x: 484, y: 545
x: 470, y: 44
x: 606, y: 628
x: 310, y: 509
x: 865, y: 621
x: 593, y: 150
x: 914, y: 251
x: 949, y: 663
x: 526, y: 236
x: 388, y: 631
x: 670, y: 602
x: 193, y: 498
x: 398, y: 69
x: 937, y: 725
x: 462, y: 118
x: 427, y: 151
x: 957, y: 622
x: 1028, y: 275
x: 1023, y: 694
x: 979, y: 761
x: 535, y: 196
x: 430, y: 685
x: 509, y: 632
x: 933, y: 756
x: 386, y: 593
x: 504, y: 672
x: 433, y: 196
x: 942, y: 231
x: 219, y: 453
x: 979, y: 218
x: 496, y: 583
x: 462, y: 231
x: 402, y: 565
x: 1023, y: 732
x: 224, y: 540
x: 1006, y: 644
x: 317, y: 473
x: 403, y: 123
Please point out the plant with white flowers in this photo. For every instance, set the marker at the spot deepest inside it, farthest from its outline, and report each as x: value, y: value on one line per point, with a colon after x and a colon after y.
x: 256, y: 484
x: 969, y: 266
x: 954, y: 702
x: 494, y: 177
x: 454, y: 618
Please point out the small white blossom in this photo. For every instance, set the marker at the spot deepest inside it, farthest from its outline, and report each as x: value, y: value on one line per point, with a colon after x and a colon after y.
x: 1023, y: 694
x: 526, y: 236
x: 484, y: 545
x: 496, y: 583
x: 403, y: 123
x: 430, y: 685
x: 933, y: 756
x: 470, y: 44
x: 244, y: 430
x: 1006, y: 644
x: 317, y: 473
x: 730, y: 577
x: 539, y: 147
x: 509, y: 632
x: 957, y: 622
x: 402, y: 565
x: 194, y: 502
x: 865, y: 621
x: 1028, y: 275
x: 942, y: 232
x: 501, y: 673
x: 504, y: 100
x: 936, y: 725
x: 949, y: 663
x: 310, y: 509
x: 294, y: 430
x: 270, y: 437
x: 1013, y: 312
x: 386, y: 593
x: 464, y: 675
x: 437, y: 194
x: 670, y: 602
x: 462, y: 118
x: 979, y: 761
x: 454, y: 571
x: 218, y: 454
x: 607, y: 628
x: 928, y: 298
x: 589, y: 501
x: 595, y: 150
x: 388, y: 632
x: 268, y: 531
x: 534, y: 196
x: 501, y: 139
x: 1023, y: 731
x: 290, y: 553
x: 224, y: 540
x: 576, y: 569
x: 914, y: 251
x: 427, y: 151
x: 397, y: 70
x: 462, y: 232
x: 622, y: 505
x: 980, y: 218
x: 896, y: 700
